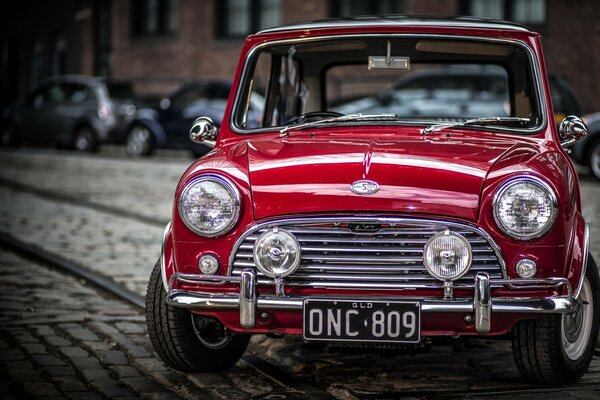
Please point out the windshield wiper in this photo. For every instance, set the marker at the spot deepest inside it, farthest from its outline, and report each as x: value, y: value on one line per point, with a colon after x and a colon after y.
x: 341, y: 118
x: 475, y: 121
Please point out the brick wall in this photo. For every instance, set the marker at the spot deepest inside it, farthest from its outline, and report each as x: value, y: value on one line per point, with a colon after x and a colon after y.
x: 304, y: 10
x: 571, y: 42
x: 159, y: 65
x: 572, y: 47
x: 431, y: 8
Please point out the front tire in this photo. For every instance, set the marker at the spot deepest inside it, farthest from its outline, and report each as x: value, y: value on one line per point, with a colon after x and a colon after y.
x: 10, y: 136
x: 140, y: 141
x: 185, y: 341
x: 559, y: 349
x: 594, y: 158
x: 85, y: 140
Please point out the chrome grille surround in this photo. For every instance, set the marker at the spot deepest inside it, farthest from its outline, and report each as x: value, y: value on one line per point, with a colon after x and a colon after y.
x: 368, y: 253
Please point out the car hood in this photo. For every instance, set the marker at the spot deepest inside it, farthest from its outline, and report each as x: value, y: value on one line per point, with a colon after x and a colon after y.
x: 437, y: 174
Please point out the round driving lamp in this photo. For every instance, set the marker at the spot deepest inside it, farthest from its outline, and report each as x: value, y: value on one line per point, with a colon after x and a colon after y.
x: 208, y: 264
x: 525, y: 208
x: 526, y: 268
x: 277, y: 253
x: 447, y: 256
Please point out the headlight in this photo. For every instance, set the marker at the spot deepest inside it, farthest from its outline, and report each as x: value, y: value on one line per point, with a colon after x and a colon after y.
x: 447, y: 256
x: 525, y: 208
x: 277, y: 253
x: 209, y: 205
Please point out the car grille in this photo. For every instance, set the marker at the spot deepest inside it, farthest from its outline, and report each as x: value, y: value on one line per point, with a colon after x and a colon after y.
x: 379, y: 253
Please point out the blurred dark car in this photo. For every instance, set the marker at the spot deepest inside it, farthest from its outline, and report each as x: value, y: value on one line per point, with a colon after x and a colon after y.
x: 454, y: 91
x: 167, y: 126
x: 587, y: 151
x: 68, y: 110
x: 125, y: 104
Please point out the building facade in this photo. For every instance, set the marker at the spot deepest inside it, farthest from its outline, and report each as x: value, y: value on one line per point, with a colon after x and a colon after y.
x: 159, y: 44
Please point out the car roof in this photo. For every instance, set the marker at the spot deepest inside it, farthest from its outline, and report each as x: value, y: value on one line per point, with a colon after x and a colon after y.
x: 401, y: 21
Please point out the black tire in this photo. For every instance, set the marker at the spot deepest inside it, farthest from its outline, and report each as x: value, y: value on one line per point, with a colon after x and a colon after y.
x: 593, y: 158
x: 558, y: 350
x: 85, y: 139
x: 10, y: 136
x: 140, y: 141
x: 186, y: 341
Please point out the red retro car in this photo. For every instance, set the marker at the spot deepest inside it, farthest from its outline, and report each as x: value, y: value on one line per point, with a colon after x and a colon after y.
x: 410, y: 222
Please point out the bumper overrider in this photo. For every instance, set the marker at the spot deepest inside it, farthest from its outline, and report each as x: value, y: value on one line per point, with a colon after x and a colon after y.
x: 481, y: 306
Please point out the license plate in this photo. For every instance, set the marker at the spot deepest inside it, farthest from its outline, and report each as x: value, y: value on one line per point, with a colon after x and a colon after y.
x: 361, y: 321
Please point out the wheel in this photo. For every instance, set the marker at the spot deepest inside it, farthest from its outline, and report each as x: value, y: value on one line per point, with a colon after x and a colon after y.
x: 594, y: 158
x: 85, y: 139
x: 10, y: 136
x: 559, y: 349
x: 140, y: 141
x: 185, y: 341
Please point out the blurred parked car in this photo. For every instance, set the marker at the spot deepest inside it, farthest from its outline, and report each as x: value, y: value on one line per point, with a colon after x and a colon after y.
x: 167, y: 126
x: 69, y: 110
x: 125, y: 104
x: 587, y: 151
x: 564, y: 100
x: 453, y: 91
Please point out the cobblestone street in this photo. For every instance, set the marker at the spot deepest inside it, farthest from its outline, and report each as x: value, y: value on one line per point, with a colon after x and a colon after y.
x: 63, y: 338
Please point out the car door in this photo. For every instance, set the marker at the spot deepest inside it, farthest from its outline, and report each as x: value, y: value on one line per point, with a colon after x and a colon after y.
x: 38, y: 117
x: 79, y: 107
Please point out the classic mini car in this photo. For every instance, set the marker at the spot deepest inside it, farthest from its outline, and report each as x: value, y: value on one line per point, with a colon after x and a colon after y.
x: 383, y: 227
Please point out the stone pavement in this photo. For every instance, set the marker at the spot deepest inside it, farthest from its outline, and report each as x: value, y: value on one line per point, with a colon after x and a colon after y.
x: 60, y: 339
x: 125, y: 249
x: 120, y: 248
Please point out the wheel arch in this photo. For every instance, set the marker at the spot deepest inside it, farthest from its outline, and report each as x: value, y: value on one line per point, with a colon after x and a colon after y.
x: 167, y: 262
x: 579, y: 254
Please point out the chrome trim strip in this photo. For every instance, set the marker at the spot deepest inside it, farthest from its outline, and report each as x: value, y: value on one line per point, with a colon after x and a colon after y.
x: 515, y: 284
x: 392, y: 22
x: 534, y: 62
x: 586, y: 246
x: 354, y: 219
x: 227, y: 301
x: 482, y: 302
x: 525, y: 178
x: 229, y: 186
x: 163, y: 265
x: 248, y: 299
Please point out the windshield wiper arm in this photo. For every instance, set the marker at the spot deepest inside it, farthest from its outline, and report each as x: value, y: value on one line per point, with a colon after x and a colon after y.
x: 341, y: 118
x: 474, y: 121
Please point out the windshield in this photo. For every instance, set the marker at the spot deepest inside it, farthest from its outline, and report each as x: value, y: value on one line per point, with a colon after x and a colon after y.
x: 417, y: 79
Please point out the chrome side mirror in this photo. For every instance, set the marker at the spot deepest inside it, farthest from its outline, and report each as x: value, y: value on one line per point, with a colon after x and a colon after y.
x: 571, y: 130
x: 204, y: 131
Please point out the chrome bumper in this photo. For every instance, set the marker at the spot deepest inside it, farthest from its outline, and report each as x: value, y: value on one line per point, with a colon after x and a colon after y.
x: 481, y: 305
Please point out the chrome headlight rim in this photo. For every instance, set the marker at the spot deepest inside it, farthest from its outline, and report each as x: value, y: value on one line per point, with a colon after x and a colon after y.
x: 296, y: 262
x: 461, y: 238
x: 225, y: 183
x: 532, y: 180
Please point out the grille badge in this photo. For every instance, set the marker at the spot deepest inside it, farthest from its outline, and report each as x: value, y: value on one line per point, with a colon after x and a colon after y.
x: 364, y: 187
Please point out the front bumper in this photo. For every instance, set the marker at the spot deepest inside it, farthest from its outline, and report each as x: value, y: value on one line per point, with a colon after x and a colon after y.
x: 480, y: 306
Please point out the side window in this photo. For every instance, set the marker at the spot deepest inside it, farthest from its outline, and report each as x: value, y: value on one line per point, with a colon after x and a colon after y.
x: 47, y: 95
x: 188, y: 97
x: 78, y: 93
x: 280, y: 77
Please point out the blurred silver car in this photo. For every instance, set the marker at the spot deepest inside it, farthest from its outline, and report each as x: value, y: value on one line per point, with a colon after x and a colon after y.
x: 69, y: 110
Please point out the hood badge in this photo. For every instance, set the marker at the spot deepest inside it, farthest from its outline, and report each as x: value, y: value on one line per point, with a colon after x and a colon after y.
x: 364, y: 187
